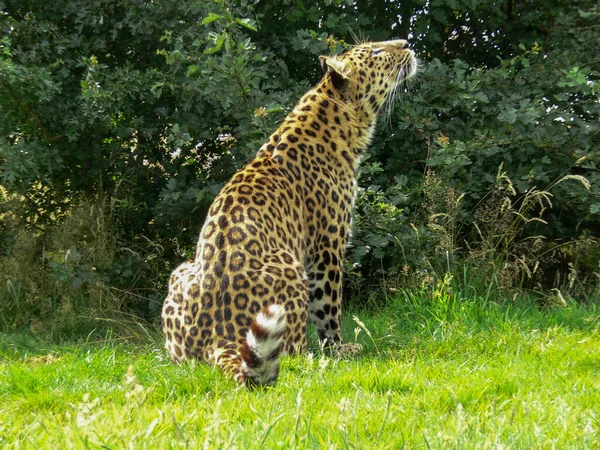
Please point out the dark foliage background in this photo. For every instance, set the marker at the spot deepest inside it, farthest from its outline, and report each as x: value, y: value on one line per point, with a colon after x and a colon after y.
x: 121, y: 120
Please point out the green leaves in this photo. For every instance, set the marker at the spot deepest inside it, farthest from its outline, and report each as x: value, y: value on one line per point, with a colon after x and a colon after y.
x: 247, y: 23
x: 574, y: 78
x: 244, y: 22
x: 211, y: 18
x: 163, y: 101
x: 218, y: 40
x: 193, y: 70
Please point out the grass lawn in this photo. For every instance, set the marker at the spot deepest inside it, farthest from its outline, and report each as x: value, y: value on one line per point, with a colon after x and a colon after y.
x: 446, y: 372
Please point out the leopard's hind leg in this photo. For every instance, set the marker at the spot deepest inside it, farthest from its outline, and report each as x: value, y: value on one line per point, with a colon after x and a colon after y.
x: 174, y: 309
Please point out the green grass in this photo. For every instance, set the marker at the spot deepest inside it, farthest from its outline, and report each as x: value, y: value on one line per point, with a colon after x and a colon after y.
x: 443, y: 372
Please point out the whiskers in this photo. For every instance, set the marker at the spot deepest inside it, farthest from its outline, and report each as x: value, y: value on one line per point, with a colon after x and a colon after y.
x: 359, y: 38
x: 401, y: 83
x: 394, y: 95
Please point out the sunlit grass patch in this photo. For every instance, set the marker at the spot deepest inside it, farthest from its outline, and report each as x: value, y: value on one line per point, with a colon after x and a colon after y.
x: 466, y: 374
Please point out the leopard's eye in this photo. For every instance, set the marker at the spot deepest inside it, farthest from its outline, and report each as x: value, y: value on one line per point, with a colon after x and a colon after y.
x: 377, y: 51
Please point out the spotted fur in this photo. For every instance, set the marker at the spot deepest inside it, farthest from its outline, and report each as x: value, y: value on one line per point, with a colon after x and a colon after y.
x: 269, y: 256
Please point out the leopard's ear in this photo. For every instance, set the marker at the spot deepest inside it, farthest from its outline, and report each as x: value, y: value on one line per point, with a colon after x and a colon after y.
x: 337, y: 70
x: 323, y: 61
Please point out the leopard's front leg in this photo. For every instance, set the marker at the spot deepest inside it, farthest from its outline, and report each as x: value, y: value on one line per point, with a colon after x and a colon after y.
x: 325, y: 293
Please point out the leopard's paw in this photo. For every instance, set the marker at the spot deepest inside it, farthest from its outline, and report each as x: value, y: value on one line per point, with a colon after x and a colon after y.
x: 349, y: 350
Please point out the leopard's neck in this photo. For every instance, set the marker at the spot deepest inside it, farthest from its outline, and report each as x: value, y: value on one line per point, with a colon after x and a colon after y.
x: 326, y: 117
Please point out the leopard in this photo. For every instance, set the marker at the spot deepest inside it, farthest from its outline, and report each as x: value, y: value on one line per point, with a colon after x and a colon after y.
x: 269, y: 257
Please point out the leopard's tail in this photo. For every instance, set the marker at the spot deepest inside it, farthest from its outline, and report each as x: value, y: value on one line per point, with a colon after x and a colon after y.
x: 263, y: 347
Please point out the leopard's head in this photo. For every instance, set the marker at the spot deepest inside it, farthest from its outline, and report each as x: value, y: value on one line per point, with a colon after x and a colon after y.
x: 370, y: 73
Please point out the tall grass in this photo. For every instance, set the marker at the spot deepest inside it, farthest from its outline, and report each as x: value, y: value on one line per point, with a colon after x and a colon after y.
x: 500, y: 243
x: 75, y: 276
